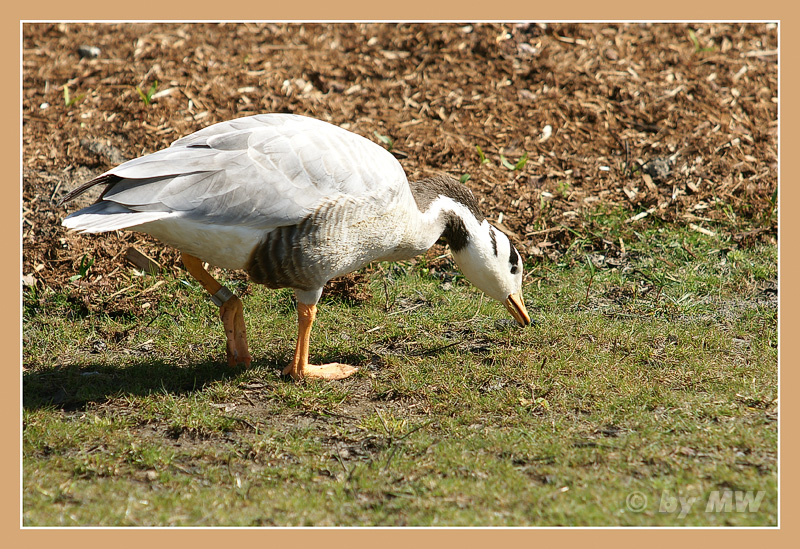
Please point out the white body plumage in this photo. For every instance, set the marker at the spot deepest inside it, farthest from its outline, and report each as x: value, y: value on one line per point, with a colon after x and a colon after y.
x: 295, y: 202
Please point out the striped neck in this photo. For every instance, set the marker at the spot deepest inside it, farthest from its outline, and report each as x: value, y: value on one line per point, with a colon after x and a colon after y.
x: 449, y: 208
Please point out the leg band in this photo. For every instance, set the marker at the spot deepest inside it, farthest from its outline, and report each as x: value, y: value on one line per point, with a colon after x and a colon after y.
x: 222, y: 295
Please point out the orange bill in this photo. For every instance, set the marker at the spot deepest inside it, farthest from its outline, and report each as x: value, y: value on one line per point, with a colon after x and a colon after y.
x: 516, y: 307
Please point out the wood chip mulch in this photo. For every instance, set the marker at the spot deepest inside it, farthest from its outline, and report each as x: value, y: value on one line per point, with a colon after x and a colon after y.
x: 675, y: 122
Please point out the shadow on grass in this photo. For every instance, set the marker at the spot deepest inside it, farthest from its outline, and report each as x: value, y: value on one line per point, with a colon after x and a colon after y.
x: 73, y: 387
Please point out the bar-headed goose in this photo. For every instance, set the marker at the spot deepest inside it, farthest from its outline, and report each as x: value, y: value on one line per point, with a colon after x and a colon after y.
x: 295, y: 201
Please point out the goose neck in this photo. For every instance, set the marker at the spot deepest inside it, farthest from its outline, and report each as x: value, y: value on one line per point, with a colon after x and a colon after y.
x: 447, y: 210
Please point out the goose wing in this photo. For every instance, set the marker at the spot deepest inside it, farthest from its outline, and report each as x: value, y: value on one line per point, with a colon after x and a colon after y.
x: 261, y: 171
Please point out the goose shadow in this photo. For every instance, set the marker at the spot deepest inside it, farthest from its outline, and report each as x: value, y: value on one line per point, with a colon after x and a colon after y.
x: 73, y: 387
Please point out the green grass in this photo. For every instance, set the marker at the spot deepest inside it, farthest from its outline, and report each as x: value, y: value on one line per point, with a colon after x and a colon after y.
x: 147, y: 96
x: 645, y: 377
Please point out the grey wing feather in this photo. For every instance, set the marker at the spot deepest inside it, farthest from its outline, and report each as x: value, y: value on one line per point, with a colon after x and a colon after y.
x: 259, y: 171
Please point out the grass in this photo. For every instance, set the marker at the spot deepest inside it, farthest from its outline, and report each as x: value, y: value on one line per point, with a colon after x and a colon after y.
x: 147, y: 96
x: 70, y: 100
x: 646, y: 377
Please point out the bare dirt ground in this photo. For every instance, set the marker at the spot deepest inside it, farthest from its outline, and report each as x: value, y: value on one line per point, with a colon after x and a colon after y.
x: 675, y: 120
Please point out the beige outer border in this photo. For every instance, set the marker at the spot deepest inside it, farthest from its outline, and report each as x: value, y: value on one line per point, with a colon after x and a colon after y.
x: 407, y: 10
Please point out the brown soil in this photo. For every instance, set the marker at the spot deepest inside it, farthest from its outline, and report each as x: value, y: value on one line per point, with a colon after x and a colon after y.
x: 675, y: 120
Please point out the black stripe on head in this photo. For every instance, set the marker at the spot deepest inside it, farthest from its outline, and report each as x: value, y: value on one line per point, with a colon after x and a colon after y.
x: 513, y: 259
x: 494, y: 240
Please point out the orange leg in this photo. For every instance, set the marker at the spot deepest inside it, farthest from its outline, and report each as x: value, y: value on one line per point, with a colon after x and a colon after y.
x: 231, y: 311
x: 300, y: 368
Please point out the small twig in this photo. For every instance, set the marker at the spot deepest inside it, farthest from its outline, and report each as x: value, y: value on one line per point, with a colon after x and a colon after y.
x: 341, y: 462
x: 624, y: 145
x: 162, y: 313
x: 478, y: 310
x: 280, y: 47
x: 388, y: 306
x: 415, y: 429
x: 326, y: 412
x: 544, y: 231
x: 393, y: 442
x: 756, y: 53
x: 667, y: 261
x: 658, y: 293
x: 627, y: 157
x: 180, y: 468
x: 437, y: 349
x: 670, y: 94
x: 409, y: 309
x: 389, y: 460
x: 592, y: 270
x: 702, y: 230
x: 641, y: 215
x: 242, y: 420
x: 150, y: 289
x: 645, y: 275
x: 138, y: 259
x: 385, y: 427
x: 115, y: 294
x: 568, y: 40
x: 52, y: 196
x: 588, y: 287
x: 248, y: 399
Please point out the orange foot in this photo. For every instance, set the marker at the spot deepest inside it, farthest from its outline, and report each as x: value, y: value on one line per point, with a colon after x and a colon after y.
x: 232, y: 314
x: 331, y: 371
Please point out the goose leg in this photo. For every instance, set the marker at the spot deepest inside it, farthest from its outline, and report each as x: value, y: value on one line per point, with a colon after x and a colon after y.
x: 231, y: 311
x: 300, y: 368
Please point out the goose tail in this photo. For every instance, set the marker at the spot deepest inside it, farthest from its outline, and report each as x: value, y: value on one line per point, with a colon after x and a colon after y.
x: 108, y: 216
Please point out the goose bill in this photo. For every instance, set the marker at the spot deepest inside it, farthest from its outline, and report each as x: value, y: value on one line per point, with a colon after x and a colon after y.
x: 516, y: 307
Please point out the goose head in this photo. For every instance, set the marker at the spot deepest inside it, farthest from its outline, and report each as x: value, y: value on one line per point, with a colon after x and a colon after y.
x: 490, y: 262
x: 484, y: 254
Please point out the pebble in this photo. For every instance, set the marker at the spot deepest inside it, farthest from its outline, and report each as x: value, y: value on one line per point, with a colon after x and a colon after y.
x: 658, y: 168
x: 90, y: 52
x: 505, y: 324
